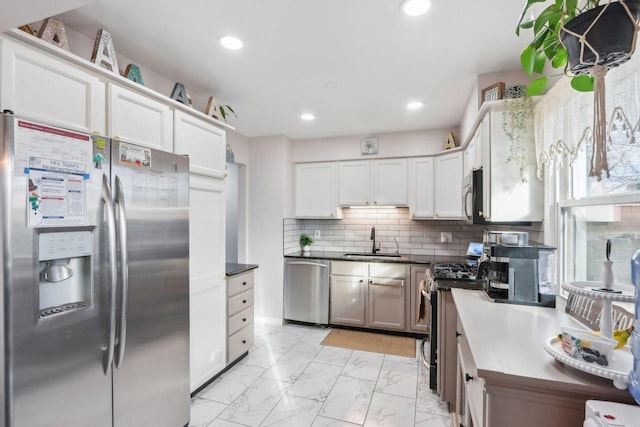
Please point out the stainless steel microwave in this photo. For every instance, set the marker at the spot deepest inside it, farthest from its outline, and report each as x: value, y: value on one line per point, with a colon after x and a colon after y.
x: 472, y: 197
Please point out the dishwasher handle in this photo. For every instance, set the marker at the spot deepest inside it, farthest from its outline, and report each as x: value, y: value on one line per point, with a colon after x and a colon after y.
x: 315, y: 264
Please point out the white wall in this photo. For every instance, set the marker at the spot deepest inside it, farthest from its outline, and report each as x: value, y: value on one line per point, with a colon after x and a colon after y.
x: 396, y: 144
x: 270, y: 200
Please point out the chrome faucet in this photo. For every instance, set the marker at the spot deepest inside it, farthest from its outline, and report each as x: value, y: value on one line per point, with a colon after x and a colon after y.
x: 373, y: 237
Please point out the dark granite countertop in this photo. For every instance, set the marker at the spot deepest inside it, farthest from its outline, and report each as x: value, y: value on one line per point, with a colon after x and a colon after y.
x: 232, y: 268
x: 403, y: 259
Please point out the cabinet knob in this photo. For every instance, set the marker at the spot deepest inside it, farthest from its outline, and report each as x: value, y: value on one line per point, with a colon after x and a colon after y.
x: 480, y: 213
x: 414, y: 214
x: 244, y: 341
x: 375, y: 202
x: 435, y: 215
x: 467, y: 377
x: 332, y: 214
x: 244, y: 301
x: 361, y: 280
x: 458, y: 334
x: 225, y: 175
x: 244, y: 283
x: 366, y: 203
x: 244, y: 319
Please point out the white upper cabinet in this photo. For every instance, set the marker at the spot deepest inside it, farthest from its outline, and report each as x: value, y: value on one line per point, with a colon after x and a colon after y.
x: 315, y: 190
x: 390, y: 182
x: 204, y: 143
x: 140, y: 119
x: 42, y: 87
x: 354, y: 183
x: 447, y: 184
x: 421, y: 187
x: 373, y: 183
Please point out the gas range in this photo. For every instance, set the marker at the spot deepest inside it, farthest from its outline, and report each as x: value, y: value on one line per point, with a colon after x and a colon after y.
x: 444, y: 276
x: 455, y: 271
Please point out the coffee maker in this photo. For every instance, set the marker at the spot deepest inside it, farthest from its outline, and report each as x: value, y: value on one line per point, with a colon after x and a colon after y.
x: 521, y: 274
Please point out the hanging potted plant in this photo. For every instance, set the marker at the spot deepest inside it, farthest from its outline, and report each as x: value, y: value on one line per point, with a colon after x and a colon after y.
x: 305, y: 242
x: 585, y: 39
x: 516, y: 123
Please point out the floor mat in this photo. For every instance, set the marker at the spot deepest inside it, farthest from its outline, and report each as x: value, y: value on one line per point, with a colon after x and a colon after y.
x: 369, y: 341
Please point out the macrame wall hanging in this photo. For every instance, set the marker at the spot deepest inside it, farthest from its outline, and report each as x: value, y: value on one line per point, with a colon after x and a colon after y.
x: 583, y: 39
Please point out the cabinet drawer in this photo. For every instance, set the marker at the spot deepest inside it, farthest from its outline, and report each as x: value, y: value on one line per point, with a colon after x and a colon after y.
x: 474, y: 386
x: 240, y: 302
x: 239, y: 343
x: 385, y: 269
x: 349, y: 268
x: 240, y: 320
x: 240, y: 283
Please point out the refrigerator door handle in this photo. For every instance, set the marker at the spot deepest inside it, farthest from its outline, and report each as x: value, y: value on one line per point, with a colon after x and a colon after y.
x: 124, y: 269
x: 113, y: 269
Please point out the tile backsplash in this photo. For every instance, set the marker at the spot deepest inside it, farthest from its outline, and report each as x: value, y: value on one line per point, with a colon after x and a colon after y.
x: 352, y: 233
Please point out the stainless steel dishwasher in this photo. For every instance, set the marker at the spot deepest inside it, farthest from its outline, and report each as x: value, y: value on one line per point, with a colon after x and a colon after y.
x: 306, y: 290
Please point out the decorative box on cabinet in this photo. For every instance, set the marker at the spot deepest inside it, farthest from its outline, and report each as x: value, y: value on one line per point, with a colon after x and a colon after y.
x: 43, y: 87
x: 204, y: 143
x: 315, y: 191
x: 240, y: 312
x: 140, y: 119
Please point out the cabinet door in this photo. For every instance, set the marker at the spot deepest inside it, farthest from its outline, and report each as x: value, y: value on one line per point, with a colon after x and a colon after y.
x: 390, y: 182
x: 448, y: 186
x: 204, y: 143
x: 42, y: 87
x: 140, y: 119
x: 418, y: 323
x: 315, y: 190
x: 421, y: 187
x: 386, y: 309
x: 354, y: 184
x: 207, y: 291
x: 348, y: 300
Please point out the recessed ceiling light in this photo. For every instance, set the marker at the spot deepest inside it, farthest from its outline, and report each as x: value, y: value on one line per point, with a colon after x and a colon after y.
x: 307, y: 117
x: 414, y: 105
x: 415, y: 7
x: 232, y: 43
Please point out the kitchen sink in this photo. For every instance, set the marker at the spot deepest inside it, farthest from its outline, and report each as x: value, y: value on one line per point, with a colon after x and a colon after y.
x: 370, y: 255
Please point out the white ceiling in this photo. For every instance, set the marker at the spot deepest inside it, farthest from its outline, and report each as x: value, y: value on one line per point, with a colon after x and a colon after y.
x: 353, y: 63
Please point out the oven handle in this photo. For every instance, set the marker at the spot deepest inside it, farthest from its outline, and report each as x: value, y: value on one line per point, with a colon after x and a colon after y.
x: 425, y: 362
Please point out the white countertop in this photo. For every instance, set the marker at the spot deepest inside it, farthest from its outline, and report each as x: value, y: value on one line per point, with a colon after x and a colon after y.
x: 506, y: 341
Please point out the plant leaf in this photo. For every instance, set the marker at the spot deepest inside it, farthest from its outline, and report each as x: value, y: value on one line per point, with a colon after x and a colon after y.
x: 538, y: 62
x: 583, y: 83
x: 527, y: 59
x: 525, y: 9
x: 572, y: 5
x: 549, y: 13
x: 560, y: 59
x: 537, y: 86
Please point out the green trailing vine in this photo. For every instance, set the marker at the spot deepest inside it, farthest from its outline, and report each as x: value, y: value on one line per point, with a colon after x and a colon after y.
x: 516, y: 123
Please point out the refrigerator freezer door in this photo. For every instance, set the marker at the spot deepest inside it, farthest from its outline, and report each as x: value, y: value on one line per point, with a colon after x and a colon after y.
x: 54, y: 361
x: 151, y: 380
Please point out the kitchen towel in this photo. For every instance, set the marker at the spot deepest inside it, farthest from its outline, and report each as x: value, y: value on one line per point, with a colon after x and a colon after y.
x: 421, y: 309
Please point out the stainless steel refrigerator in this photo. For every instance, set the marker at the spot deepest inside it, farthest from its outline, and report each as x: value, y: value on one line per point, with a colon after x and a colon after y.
x: 95, y: 280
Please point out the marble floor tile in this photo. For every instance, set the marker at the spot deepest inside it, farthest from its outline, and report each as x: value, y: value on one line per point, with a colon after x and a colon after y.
x: 398, y: 378
x: 364, y: 365
x: 290, y: 379
x: 330, y: 422
x: 204, y: 411
x: 293, y: 411
x: 333, y: 356
x: 424, y: 419
x: 390, y: 411
x: 316, y: 381
x: 289, y: 367
x: 349, y: 400
x: 255, y: 403
x: 231, y: 384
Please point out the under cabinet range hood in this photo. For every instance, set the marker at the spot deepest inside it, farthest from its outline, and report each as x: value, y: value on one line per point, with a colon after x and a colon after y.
x: 499, y: 203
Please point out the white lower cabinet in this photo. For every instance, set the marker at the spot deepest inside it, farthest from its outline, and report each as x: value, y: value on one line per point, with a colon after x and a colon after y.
x: 40, y: 86
x: 207, y: 279
x: 240, y: 309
